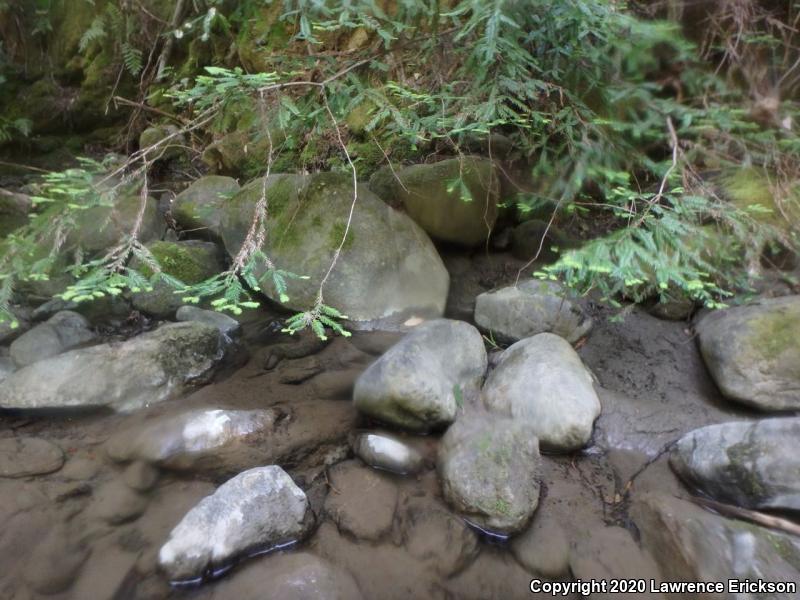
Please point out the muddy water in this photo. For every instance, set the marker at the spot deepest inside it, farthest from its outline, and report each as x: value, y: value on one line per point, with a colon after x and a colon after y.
x: 72, y: 535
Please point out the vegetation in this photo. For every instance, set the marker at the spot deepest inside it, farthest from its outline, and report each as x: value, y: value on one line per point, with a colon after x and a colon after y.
x: 622, y: 122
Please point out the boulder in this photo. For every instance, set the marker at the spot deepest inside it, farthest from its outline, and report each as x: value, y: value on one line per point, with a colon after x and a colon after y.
x: 750, y: 464
x: 7, y: 367
x: 753, y: 352
x: 536, y: 238
x: 543, y: 381
x: 163, y: 142
x: 489, y: 470
x: 228, y: 326
x: 453, y: 200
x: 198, y: 208
x: 258, y: 509
x: 27, y: 456
x: 386, y: 452
x: 692, y: 544
x: 420, y: 381
x: 190, y: 262
x: 124, y: 376
x: 63, y: 331
x: 198, y: 439
x: 373, y: 280
x: 516, y: 312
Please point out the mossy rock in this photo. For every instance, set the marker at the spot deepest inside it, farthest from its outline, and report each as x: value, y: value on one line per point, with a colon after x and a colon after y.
x: 190, y: 262
x: 453, y: 200
x: 197, y: 209
x: 174, y: 148
x: 14, y: 209
x: 387, y: 266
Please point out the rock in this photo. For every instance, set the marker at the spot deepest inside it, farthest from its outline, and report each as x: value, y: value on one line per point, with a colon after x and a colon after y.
x: 363, y: 503
x: 542, y: 380
x: 197, y: 209
x: 55, y: 562
x: 692, y: 544
x: 335, y: 385
x: 420, y: 380
x: 753, y: 352
x: 488, y: 466
x: 162, y: 142
x: 190, y: 262
x: 97, y: 310
x: 516, y: 312
x: 258, y: 509
x: 9, y: 333
x: 7, y: 367
x: 543, y: 548
x: 386, y: 452
x: 14, y: 209
x: 432, y: 534
x: 116, y: 503
x: 453, y: 200
x: 295, y: 576
x: 196, y: 439
x: 228, y: 326
x: 373, y: 282
x: 125, y: 376
x: 27, y: 456
x: 63, y: 331
x: 140, y: 476
x: 750, y: 464
x: 527, y: 241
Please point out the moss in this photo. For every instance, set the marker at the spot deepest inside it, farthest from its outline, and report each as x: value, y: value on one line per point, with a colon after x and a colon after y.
x: 337, y: 233
x: 367, y: 157
x: 178, y: 262
x: 775, y: 333
x: 748, y: 188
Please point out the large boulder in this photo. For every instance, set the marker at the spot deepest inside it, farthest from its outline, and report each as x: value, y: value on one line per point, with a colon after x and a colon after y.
x: 692, y: 544
x: 63, y: 331
x: 489, y: 469
x: 200, y: 439
x: 191, y: 262
x: 258, y: 509
x: 750, y: 464
x: 198, y: 208
x: 388, y: 267
x: 542, y: 380
x: 420, y: 381
x: 515, y: 312
x: 753, y: 352
x: 124, y: 376
x: 453, y: 200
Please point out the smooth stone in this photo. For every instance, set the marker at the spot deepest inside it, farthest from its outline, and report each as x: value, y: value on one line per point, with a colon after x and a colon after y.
x: 516, y: 312
x: 753, y: 352
x: 116, y: 503
x: 383, y: 451
x: 226, y: 324
x: 543, y: 548
x: 151, y: 368
x: 140, y: 476
x: 61, y: 332
x: 489, y: 469
x: 543, y: 381
x: 419, y: 382
x: 27, y: 456
x: 751, y: 464
x: 258, y: 509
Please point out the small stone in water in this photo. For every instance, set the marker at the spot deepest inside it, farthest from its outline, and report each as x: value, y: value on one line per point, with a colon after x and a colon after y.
x: 385, y: 452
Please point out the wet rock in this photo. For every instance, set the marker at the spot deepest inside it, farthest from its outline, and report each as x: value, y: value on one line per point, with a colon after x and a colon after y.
x: 190, y: 262
x: 298, y: 371
x: 432, y: 534
x: 692, y: 544
x: 305, y: 227
x: 516, y: 312
x: 542, y: 380
x: 362, y: 502
x: 593, y: 559
x: 488, y: 466
x: 140, y: 476
x: 27, y: 456
x: 420, y: 381
x: 383, y: 451
x: 197, y: 439
x: 462, y: 214
x: 125, y: 376
x: 257, y: 509
x: 227, y: 325
x: 295, y: 576
x: 753, y: 352
x: 543, y: 548
x: 62, y: 331
x: 750, y: 464
x: 115, y: 503
x: 55, y: 562
x: 197, y: 208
